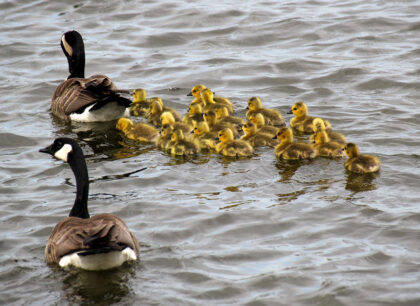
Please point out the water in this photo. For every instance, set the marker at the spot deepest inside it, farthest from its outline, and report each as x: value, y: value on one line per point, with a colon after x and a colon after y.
x: 212, y: 230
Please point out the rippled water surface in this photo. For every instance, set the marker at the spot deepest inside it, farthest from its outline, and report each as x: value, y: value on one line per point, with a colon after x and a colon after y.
x: 215, y: 231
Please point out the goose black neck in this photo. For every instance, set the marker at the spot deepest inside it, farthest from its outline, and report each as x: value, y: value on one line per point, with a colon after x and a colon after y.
x: 77, y: 64
x: 77, y: 59
x: 78, y: 165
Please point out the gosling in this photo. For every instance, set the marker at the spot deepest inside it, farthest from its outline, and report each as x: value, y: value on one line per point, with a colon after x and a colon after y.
x: 272, y: 116
x: 287, y: 149
x: 231, y: 147
x: 140, y: 131
x: 360, y: 163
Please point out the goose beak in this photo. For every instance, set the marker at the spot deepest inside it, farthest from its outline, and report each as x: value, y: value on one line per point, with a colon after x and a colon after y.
x: 189, y: 94
x: 290, y: 112
x: 47, y: 150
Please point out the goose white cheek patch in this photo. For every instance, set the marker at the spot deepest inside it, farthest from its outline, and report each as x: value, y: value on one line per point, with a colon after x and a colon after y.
x: 69, y: 49
x: 63, y: 152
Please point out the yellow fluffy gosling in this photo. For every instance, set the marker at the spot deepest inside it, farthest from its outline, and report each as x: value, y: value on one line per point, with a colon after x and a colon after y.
x: 179, y: 145
x: 215, y: 126
x: 205, y: 138
x: 302, y: 122
x: 257, y: 138
x: 156, y: 110
x: 140, y: 105
x: 360, y: 163
x: 168, y: 119
x: 324, y: 125
x: 139, y: 131
x: 194, y: 115
x: 210, y: 104
x: 325, y: 147
x: 287, y: 149
x: 231, y: 147
x: 196, y: 90
x: 272, y: 116
x: 259, y: 120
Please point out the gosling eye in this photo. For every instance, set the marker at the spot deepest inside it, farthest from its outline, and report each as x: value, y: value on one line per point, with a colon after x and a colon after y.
x: 295, y: 108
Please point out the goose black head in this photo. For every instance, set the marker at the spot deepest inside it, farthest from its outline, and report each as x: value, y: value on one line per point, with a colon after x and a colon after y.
x: 62, y: 148
x: 74, y: 49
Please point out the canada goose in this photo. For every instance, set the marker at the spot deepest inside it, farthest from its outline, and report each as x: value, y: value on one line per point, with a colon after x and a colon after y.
x: 202, y: 135
x: 195, y: 92
x: 287, y: 149
x: 256, y: 138
x: 231, y: 147
x: 360, y: 163
x: 141, y: 104
x: 156, y: 110
x: 167, y: 118
x: 325, y: 125
x: 179, y: 145
x: 272, y: 116
x: 140, y: 131
x: 215, y: 126
x: 92, y: 243
x: 210, y: 104
x: 325, y: 147
x: 302, y: 122
x: 85, y: 99
x: 259, y: 120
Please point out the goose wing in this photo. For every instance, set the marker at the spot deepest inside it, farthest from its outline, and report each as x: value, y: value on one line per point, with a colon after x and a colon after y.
x: 101, y: 233
x: 75, y: 94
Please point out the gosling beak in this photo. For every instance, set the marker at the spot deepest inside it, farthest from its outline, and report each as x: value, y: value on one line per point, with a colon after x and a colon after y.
x: 192, y: 132
x: 275, y: 137
x: 189, y: 94
x: 247, y: 107
x: 47, y: 150
x: 290, y: 112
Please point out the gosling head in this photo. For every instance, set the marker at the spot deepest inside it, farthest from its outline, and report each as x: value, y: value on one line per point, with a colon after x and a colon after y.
x: 210, y: 116
x: 139, y: 95
x: 167, y: 118
x: 257, y: 119
x: 156, y: 106
x: 351, y: 150
x: 225, y: 135
x: 249, y: 128
x: 254, y: 104
x: 299, y: 109
x: 201, y: 128
x: 123, y: 124
x: 207, y: 95
x: 195, y: 91
x: 177, y: 135
x: 284, y: 135
x: 166, y: 130
x: 195, y: 109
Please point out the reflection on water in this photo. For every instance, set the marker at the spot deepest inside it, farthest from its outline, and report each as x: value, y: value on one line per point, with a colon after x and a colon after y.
x: 360, y: 182
x: 97, y: 287
x: 288, y: 168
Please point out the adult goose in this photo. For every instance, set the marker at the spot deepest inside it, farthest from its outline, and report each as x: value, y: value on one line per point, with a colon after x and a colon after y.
x: 85, y: 99
x: 92, y: 243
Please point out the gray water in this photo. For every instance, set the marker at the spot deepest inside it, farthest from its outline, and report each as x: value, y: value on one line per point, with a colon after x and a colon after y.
x: 212, y: 230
